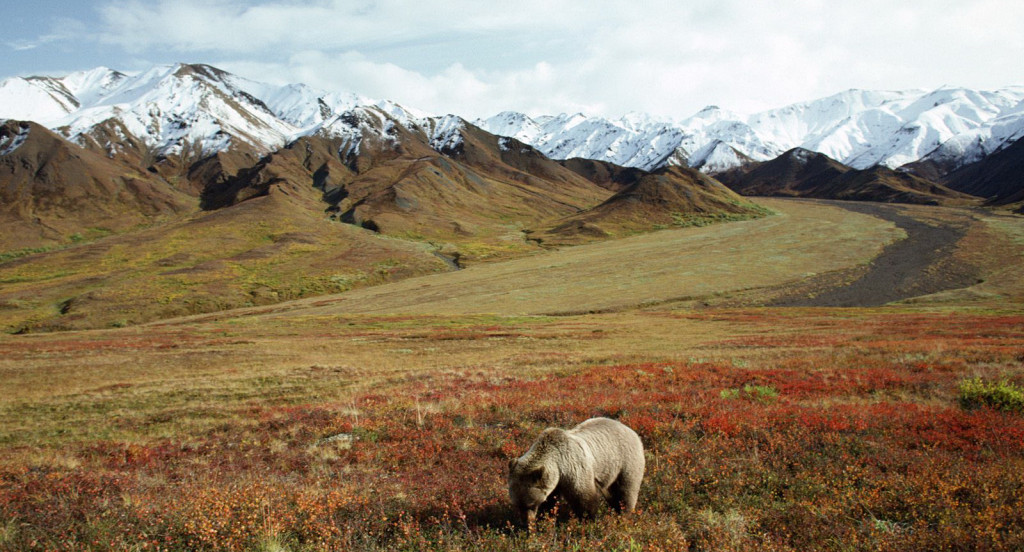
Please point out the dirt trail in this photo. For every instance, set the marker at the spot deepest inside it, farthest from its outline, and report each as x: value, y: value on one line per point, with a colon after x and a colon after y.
x: 921, y: 264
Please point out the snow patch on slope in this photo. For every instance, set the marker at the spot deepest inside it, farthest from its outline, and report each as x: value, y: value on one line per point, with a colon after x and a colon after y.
x: 8, y: 144
x: 355, y: 125
x: 446, y: 135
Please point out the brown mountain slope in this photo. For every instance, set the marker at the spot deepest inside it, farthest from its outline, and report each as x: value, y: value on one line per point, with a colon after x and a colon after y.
x: 999, y: 177
x: 606, y: 175
x: 264, y: 250
x: 52, y: 190
x: 484, y: 186
x: 886, y: 185
x: 308, y: 163
x: 673, y: 196
x: 797, y: 173
x: 275, y: 228
x: 803, y: 173
x: 476, y: 194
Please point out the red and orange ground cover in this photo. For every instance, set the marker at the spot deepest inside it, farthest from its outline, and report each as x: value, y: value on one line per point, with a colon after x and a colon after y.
x: 810, y: 431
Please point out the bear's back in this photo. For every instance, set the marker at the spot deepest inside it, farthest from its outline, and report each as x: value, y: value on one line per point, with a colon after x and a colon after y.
x: 607, y: 437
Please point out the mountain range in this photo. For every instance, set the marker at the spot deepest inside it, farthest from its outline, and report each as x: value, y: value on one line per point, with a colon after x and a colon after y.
x: 861, y: 129
x: 804, y: 173
x: 168, y: 107
x: 184, y: 188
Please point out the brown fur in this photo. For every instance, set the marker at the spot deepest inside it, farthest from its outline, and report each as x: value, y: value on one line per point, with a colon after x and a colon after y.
x: 598, y: 460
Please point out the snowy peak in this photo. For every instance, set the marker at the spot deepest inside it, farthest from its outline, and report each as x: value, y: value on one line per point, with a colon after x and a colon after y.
x: 299, y: 105
x: 513, y: 125
x: 710, y: 115
x: 716, y: 157
x: 446, y: 134
x: 39, y: 99
x: 88, y: 87
x: 634, y: 140
x: 359, y: 129
x: 170, y: 108
x: 861, y: 128
x: 889, y: 128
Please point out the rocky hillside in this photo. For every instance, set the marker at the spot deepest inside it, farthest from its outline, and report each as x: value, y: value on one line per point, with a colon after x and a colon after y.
x: 998, y: 177
x: 804, y: 173
x: 669, y: 197
x: 55, y: 192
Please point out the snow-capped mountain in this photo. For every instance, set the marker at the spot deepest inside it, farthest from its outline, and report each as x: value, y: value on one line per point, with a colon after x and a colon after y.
x: 166, y: 107
x: 860, y: 128
x: 172, y: 108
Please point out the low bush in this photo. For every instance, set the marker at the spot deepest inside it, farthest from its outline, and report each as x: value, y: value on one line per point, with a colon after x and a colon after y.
x: 1003, y: 395
x: 760, y: 393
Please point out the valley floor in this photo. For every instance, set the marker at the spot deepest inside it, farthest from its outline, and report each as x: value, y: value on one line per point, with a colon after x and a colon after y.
x: 687, y: 265
x: 925, y: 262
x: 383, y: 418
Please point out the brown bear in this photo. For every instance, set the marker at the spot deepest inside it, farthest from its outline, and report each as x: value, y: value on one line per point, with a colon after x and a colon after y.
x: 600, y: 459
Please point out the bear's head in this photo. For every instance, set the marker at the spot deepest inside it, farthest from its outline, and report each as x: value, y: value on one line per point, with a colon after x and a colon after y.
x: 529, y: 486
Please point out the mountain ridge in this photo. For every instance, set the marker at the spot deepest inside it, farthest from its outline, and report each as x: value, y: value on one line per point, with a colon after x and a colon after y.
x: 52, y: 188
x: 804, y: 173
x: 198, y: 190
x: 860, y: 128
x: 200, y: 104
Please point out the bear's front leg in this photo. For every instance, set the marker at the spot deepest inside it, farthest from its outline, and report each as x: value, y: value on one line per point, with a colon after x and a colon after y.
x: 584, y: 498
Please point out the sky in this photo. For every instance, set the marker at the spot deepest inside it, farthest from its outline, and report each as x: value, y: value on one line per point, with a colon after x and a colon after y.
x: 476, y: 58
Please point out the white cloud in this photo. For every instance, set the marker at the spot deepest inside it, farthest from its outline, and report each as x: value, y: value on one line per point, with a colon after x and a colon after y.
x: 456, y: 89
x: 232, y: 26
x: 22, y: 45
x: 62, y: 29
x: 599, y: 56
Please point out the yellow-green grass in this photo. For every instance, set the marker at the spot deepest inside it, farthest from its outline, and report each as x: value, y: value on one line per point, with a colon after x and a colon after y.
x: 266, y: 251
x: 263, y: 252
x: 255, y: 256
x: 802, y: 240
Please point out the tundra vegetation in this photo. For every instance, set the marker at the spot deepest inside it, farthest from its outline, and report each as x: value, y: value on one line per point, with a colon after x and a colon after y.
x: 323, y: 425
x: 765, y: 429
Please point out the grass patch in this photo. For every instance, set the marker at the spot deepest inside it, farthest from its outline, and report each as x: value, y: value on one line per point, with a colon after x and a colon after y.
x: 1002, y: 395
x: 649, y: 269
x: 19, y: 253
x: 688, y: 220
x: 760, y: 393
x: 78, y: 238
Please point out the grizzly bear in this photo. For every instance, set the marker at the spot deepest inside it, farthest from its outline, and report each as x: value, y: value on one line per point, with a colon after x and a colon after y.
x: 600, y: 459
